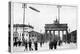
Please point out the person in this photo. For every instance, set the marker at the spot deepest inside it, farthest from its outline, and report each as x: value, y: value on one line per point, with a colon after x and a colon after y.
x: 19, y: 43
x: 36, y: 45
x: 51, y: 45
x: 55, y: 44
x: 30, y: 45
x: 40, y: 44
x: 15, y: 41
x: 60, y: 42
x: 26, y: 43
x: 15, y: 44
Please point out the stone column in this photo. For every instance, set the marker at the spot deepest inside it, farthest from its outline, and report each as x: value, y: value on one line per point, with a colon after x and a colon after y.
x: 50, y: 33
x: 54, y: 33
x: 59, y: 35
x: 45, y: 31
x: 66, y: 35
x: 46, y: 34
x: 62, y: 35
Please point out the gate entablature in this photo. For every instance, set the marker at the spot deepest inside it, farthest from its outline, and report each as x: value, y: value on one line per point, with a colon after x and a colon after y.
x: 56, y: 27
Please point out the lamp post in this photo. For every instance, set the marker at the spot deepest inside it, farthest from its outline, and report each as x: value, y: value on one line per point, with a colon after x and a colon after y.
x: 24, y: 6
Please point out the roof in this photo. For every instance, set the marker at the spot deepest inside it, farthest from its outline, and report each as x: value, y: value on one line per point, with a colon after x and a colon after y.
x: 34, y: 32
x: 21, y: 25
x: 56, y: 25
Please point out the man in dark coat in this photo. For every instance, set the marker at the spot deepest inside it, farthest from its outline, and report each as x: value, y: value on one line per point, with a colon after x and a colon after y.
x: 55, y: 44
x: 30, y: 45
x: 60, y: 42
x: 51, y: 45
x: 36, y: 45
x: 26, y: 44
x: 19, y: 42
x: 40, y: 44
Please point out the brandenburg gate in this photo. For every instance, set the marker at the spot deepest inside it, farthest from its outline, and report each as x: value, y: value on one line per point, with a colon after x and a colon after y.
x: 56, y: 26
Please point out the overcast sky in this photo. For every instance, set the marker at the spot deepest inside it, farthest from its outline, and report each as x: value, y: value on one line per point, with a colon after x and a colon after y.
x: 47, y: 15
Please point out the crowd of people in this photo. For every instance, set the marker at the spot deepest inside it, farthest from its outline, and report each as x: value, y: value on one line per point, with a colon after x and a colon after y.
x: 29, y: 44
x: 54, y: 43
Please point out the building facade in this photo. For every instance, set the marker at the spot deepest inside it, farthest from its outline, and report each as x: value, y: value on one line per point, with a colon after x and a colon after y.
x: 19, y: 33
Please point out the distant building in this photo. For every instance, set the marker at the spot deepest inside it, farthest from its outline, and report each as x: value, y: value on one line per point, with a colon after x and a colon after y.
x: 34, y: 36
x: 18, y: 31
x: 74, y: 36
